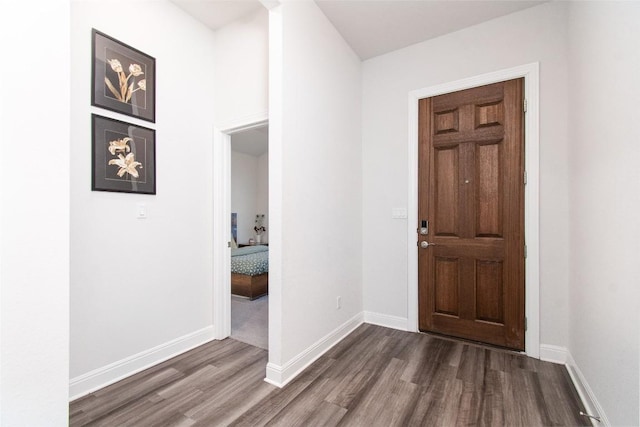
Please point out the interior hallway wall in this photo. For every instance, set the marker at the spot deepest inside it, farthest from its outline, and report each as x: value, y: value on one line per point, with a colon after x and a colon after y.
x: 537, y: 34
x: 321, y: 181
x: 34, y: 213
x: 604, y: 202
x: 241, y: 69
x: 138, y: 284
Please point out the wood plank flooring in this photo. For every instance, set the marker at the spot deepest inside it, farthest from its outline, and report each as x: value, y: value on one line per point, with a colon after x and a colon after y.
x: 374, y: 377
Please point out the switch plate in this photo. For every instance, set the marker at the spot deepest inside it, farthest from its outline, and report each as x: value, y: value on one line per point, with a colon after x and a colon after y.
x: 141, y: 211
x: 399, y: 213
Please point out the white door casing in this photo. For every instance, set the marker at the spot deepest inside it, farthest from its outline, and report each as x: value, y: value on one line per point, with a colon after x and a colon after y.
x: 222, y: 220
x: 530, y: 72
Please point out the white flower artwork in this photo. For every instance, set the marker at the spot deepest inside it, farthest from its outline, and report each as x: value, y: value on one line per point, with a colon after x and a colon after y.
x: 126, y: 164
x: 123, y: 78
x: 123, y: 157
x: 126, y: 89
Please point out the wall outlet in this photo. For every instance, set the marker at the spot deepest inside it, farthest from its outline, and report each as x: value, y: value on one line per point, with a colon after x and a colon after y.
x: 338, y: 303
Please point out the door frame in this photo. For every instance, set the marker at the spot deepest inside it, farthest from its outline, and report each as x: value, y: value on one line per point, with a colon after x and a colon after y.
x: 222, y: 219
x: 530, y: 72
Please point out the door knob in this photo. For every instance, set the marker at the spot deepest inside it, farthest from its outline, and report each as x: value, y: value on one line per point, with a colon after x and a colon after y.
x: 424, y: 244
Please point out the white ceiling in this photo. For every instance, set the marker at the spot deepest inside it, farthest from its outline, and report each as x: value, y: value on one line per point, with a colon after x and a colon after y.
x: 374, y: 27
x: 218, y: 13
x: 252, y: 141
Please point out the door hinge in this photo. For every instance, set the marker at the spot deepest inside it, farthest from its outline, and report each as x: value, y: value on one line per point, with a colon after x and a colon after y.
x: 526, y: 324
x: 525, y: 251
x: 524, y: 177
x: 524, y: 105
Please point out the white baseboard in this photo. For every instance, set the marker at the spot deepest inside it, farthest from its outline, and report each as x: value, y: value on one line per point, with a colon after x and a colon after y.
x: 561, y: 355
x: 114, y: 372
x: 591, y: 404
x: 282, y: 375
x: 553, y: 353
x: 386, y: 320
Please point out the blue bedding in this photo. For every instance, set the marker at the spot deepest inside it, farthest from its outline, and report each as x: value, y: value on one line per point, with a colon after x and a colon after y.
x: 250, y: 260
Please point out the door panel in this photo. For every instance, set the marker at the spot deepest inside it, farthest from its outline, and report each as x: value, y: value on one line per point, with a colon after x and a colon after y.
x: 446, y: 202
x: 447, y: 278
x: 489, y: 290
x: 471, y: 275
x: 489, y: 188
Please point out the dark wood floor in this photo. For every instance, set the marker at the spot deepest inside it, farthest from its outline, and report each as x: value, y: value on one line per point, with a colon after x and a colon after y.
x: 375, y: 377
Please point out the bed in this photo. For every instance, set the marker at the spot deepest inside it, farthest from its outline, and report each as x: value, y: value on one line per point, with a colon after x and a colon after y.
x: 250, y: 271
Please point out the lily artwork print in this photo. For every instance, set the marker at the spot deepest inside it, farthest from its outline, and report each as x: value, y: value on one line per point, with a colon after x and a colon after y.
x: 123, y: 157
x: 126, y: 165
x: 123, y: 78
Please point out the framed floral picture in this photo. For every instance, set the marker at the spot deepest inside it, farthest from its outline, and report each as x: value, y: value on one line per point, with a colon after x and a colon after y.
x: 123, y: 157
x: 123, y: 78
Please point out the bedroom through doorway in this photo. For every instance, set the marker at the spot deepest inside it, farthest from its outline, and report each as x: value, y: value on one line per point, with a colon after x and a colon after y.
x: 249, y: 225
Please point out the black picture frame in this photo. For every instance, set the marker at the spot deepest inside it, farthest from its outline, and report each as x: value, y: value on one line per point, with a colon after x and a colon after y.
x: 120, y: 150
x: 123, y: 78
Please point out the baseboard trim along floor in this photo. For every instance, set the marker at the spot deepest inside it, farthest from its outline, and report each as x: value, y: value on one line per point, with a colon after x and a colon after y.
x: 281, y: 375
x: 114, y: 372
x: 374, y: 376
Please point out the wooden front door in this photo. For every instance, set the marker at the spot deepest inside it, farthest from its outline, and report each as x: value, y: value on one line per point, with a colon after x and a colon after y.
x: 471, y: 212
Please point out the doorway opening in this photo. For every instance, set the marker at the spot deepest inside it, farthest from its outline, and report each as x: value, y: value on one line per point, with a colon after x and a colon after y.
x: 249, y: 225
x: 222, y: 235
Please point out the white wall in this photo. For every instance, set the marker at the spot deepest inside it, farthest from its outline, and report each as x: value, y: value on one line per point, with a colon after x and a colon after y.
x: 241, y: 73
x: 138, y: 284
x: 604, y: 202
x: 536, y: 34
x: 262, y: 201
x: 244, y: 192
x: 34, y: 222
x: 320, y: 156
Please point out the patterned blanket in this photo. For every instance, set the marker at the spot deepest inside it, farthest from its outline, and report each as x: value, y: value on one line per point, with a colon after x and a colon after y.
x: 250, y: 260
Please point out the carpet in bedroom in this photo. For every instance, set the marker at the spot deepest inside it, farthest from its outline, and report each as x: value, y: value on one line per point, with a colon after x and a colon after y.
x: 249, y: 320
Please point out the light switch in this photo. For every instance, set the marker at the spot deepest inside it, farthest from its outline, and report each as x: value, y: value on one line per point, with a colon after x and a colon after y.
x: 399, y: 213
x: 141, y: 211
